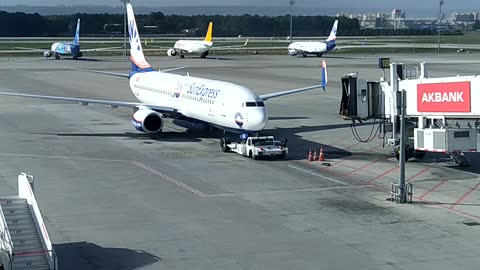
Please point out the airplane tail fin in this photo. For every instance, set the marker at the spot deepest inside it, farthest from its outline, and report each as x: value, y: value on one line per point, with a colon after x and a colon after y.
x: 333, y: 33
x: 137, y: 59
x: 324, y: 75
x: 76, y: 39
x: 208, y: 36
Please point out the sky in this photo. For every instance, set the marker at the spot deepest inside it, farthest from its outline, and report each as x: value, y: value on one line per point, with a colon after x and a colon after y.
x: 402, y: 4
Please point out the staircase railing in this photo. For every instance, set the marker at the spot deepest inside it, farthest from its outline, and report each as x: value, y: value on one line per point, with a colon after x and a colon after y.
x: 25, y: 191
x: 6, y: 243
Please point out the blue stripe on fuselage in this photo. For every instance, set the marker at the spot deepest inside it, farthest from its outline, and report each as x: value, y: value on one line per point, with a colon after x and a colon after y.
x: 331, y: 45
x: 137, y: 69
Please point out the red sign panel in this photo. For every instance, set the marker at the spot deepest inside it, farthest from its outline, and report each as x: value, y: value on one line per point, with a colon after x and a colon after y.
x: 444, y: 97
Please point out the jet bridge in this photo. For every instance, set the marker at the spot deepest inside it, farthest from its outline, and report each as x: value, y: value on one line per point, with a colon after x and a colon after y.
x: 440, y: 115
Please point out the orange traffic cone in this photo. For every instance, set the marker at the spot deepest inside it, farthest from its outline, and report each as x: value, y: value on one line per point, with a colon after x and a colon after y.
x: 321, y: 156
x: 310, y: 158
x: 315, y: 155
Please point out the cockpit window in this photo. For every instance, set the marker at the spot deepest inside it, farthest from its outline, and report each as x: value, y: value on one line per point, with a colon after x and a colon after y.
x: 254, y: 104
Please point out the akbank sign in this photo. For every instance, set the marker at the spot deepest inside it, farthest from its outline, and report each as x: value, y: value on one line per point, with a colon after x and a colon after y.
x: 444, y: 97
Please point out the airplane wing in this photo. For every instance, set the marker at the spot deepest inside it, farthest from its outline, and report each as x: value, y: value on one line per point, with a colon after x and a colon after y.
x: 159, y: 47
x: 323, y: 84
x: 172, y: 69
x: 100, y: 49
x: 86, y: 101
x: 227, y: 47
x: 123, y: 75
x: 31, y: 49
x: 82, y: 50
x: 289, y: 92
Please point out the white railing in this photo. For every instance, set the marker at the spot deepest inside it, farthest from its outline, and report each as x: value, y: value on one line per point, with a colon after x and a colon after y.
x: 6, y: 244
x: 25, y: 191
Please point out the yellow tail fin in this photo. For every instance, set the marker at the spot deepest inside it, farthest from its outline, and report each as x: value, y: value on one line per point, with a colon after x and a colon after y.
x: 208, y: 37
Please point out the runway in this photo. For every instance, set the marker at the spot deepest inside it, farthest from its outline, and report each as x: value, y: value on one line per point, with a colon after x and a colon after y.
x: 114, y: 198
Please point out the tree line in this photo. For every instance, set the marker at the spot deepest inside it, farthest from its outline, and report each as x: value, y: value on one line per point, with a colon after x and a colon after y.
x: 28, y: 25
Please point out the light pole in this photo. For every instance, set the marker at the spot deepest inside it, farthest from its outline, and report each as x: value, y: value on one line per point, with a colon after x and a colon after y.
x: 124, y: 26
x: 292, y: 3
x: 442, y: 2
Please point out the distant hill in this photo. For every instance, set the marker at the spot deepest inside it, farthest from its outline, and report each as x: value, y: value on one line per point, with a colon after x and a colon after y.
x: 211, y: 10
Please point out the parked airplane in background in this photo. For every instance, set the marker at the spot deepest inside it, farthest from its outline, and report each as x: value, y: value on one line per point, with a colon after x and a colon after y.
x: 315, y: 47
x: 224, y: 105
x: 66, y: 48
x: 201, y: 47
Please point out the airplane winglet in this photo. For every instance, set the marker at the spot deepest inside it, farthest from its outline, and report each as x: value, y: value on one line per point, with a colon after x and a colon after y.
x: 324, y: 75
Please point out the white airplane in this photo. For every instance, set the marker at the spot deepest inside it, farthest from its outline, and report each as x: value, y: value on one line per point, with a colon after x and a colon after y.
x: 317, y: 48
x: 201, y: 47
x: 67, y: 48
x: 227, y: 106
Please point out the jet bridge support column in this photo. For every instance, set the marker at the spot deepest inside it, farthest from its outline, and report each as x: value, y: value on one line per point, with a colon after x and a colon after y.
x: 393, y: 108
x: 402, y: 101
x: 402, y: 192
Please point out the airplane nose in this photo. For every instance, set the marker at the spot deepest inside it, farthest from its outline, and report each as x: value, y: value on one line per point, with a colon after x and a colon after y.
x: 258, y: 120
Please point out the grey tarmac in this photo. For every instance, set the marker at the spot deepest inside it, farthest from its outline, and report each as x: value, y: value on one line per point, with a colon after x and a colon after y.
x: 114, y: 198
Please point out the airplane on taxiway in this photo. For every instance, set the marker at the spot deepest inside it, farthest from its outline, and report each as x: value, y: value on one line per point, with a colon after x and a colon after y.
x: 317, y: 48
x: 68, y: 48
x: 224, y: 105
x: 202, y: 47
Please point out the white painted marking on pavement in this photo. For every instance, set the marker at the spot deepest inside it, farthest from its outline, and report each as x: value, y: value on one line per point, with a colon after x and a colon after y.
x: 166, y: 177
x: 284, y: 191
x: 319, y: 175
x: 61, y: 157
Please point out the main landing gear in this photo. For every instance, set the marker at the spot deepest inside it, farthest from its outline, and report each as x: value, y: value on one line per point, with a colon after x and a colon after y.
x: 224, y: 144
x: 204, y: 54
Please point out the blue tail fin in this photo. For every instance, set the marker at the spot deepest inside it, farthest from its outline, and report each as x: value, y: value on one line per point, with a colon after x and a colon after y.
x: 137, y: 59
x: 76, y: 39
x: 324, y: 75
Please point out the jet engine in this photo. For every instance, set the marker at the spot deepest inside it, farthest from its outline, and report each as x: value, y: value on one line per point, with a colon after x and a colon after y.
x: 171, y: 52
x: 47, y: 54
x: 147, y: 120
